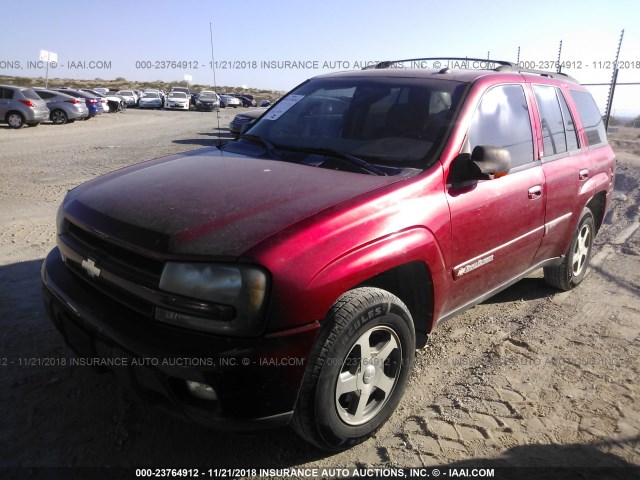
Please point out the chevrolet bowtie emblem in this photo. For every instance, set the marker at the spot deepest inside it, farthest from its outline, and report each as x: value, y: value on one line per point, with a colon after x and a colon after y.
x: 91, y: 268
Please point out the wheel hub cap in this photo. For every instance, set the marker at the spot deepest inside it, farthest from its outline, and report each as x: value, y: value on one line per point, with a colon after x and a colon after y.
x: 368, y: 375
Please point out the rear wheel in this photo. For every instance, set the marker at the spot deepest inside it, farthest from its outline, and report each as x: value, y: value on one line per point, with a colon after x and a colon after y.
x: 573, y: 268
x: 357, y: 371
x: 15, y: 119
x: 59, y: 117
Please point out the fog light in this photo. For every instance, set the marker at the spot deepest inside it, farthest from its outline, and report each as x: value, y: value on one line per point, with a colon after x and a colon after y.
x: 201, y: 390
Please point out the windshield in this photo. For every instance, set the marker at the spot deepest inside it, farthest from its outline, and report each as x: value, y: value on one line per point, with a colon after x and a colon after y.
x: 151, y: 95
x: 390, y: 120
x: 125, y: 93
x: 178, y: 95
x: 208, y: 95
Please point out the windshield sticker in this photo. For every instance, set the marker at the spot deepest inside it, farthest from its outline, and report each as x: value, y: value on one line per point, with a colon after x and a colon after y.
x: 283, y: 106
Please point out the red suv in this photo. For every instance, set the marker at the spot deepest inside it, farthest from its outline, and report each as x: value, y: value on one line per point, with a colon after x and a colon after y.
x: 287, y: 277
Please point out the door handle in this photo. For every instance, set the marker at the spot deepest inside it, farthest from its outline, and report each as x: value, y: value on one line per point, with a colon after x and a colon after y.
x: 535, y: 192
x: 584, y: 174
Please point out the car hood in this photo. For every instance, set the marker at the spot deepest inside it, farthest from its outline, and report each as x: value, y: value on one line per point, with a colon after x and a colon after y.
x: 208, y: 203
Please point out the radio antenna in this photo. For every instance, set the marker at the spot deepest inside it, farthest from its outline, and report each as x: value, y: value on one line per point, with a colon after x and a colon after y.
x: 215, y: 85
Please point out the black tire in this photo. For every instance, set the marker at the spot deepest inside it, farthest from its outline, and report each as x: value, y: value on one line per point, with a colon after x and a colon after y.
x: 15, y: 119
x: 366, y: 347
x: 59, y: 117
x: 573, y: 268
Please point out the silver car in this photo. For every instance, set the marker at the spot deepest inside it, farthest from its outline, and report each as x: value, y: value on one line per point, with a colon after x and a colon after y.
x: 20, y: 106
x: 150, y: 100
x: 64, y: 108
x: 229, y: 101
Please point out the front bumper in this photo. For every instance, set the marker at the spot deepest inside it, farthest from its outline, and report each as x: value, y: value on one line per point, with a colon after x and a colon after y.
x: 206, y: 107
x: 256, y: 379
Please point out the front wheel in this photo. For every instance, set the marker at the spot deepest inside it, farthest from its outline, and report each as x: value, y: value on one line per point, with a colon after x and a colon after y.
x: 573, y: 268
x: 357, y: 371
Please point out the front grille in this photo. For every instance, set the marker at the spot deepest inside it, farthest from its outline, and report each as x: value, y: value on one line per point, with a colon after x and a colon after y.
x: 124, y: 266
x: 138, y: 268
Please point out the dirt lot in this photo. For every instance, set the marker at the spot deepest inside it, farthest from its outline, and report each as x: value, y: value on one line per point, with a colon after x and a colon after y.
x: 531, y: 377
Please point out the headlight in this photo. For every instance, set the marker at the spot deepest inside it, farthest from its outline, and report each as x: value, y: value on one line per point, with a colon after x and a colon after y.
x: 225, y: 299
x: 60, y: 221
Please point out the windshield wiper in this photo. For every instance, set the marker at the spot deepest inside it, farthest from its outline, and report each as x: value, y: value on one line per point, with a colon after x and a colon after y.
x: 270, y: 147
x: 363, y: 164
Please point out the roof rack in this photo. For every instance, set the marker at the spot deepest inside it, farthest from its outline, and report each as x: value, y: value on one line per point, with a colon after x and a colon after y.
x: 484, y: 64
x: 388, y: 63
x: 542, y: 73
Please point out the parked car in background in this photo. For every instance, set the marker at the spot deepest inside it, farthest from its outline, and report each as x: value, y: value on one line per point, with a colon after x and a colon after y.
x: 243, y: 120
x: 156, y: 90
x: 103, y: 99
x: 246, y: 102
x: 207, y: 101
x: 229, y: 101
x: 20, y: 106
x: 184, y: 90
x: 129, y: 96
x: 94, y: 104
x: 101, y: 90
x: 265, y: 103
x: 177, y: 101
x: 63, y: 108
x: 117, y: 103
x: 150, y: 100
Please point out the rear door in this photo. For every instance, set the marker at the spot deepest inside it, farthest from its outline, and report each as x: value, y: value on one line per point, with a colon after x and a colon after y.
x: 497, y: 224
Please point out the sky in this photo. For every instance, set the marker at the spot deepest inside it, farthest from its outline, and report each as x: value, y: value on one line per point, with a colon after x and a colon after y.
x: 167, y: 39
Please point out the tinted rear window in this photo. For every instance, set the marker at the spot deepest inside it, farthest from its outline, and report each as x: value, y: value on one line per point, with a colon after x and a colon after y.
x: 30, y: 94
x: 590, y: 117
x: 44, y: 94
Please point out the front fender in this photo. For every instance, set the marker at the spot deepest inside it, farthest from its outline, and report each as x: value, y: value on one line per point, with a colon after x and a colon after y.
x: 369, y: 260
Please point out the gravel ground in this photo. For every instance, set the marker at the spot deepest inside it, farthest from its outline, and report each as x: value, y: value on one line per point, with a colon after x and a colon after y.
x: 530, y: 377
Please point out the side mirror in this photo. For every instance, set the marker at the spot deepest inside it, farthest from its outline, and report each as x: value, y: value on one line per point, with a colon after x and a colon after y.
x: 484, y: 163
x: 246, y: 126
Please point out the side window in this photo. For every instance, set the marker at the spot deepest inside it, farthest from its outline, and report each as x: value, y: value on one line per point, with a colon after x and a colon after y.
x: 569, y: 125
x: 6, y: 93
x: 552, y: 124
x: 590, y: 117
x: 45, y: 95
x: 502, y: 120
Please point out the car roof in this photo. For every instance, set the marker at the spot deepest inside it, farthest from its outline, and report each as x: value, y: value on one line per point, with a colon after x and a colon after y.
x: 459, y: 75
x: 42, y: 89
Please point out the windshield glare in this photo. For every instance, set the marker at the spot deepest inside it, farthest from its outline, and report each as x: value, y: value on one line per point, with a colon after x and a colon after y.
x: 387, y: 120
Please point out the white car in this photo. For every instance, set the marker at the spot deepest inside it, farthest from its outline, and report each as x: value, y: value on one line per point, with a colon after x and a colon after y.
x: 229, y: 101
x: 177, y: 101
x: 130, y: 97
